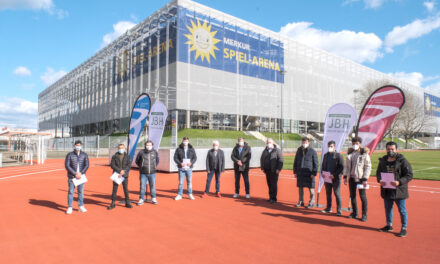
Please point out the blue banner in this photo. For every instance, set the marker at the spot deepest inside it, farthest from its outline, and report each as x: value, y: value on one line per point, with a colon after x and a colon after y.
x: 138, y: 118
x: 432, y: 105
x: 207, y: 42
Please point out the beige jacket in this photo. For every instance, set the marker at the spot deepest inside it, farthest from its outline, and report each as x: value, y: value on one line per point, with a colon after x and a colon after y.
x: 363, y: 165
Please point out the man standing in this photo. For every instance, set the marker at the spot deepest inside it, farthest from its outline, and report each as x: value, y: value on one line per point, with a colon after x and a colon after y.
x: 241, y: 156
x: 305, y: 169
x: 215, y: 164
x: 333, y: 163
x: 271, y: 163
x: 396, y: 164
x: 185, y: 157
x: 121, y: 164
x: 76, y: 164
x: 357, y: 169
x: 147, y: 161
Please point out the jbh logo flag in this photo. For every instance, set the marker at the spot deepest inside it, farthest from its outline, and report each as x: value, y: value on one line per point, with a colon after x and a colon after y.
x: 378, y: 114
x: 157, y: 120
x: 139, y: 116
x: 340, y: 120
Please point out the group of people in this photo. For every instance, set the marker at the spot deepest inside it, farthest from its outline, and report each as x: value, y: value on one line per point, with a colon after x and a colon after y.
x: 355, y: 169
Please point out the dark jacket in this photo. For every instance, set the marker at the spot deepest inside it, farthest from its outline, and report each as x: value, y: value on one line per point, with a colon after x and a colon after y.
x: 117, y: 165
x: 147, y: 161
x: 179, y: 155
x: 72, y: 161
x: 337, y: 165
x: 271, y: 161
x: 403, y: 173
x: 245, y: 157
x: 304, y: 166
x: 211, y: 159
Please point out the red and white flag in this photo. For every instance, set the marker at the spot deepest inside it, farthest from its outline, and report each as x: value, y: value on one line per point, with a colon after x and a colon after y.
x: 378, y: 114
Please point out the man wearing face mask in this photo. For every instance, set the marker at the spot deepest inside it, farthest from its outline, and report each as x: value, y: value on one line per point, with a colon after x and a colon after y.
x: 147, y: 161
x: 271, y: 163
x: 121, y: 164
x: 241, y: 156
x: 185, y: 157
x: 357, y: 171
x: 333, y: 163
x: 77, y: 164
x: 305, y: 169
x: 215, y: 164
x: 396, y: 164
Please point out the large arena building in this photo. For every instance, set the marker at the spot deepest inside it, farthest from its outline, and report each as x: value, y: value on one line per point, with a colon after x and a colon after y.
x: 212, y: 70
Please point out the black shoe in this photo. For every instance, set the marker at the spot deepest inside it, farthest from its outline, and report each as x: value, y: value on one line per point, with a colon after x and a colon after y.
x: 326, y: 211
x: 128, y: 205
x: 310, y: 206
x: 273, y: 201
x: 111, y: 206
x: 299, y: 204
x: 270, y: 200
x: 339, y: 213
x: 364, y: 218
x: 402, y: 233
x: 352, y: 215
x: 386, y: 229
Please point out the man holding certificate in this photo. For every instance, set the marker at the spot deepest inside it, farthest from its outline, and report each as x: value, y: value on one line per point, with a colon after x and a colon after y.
x: 76, y: 164
x: 332, y: 168
x: 185, y: 157
x: 393, y: 173
x: 120, y: 164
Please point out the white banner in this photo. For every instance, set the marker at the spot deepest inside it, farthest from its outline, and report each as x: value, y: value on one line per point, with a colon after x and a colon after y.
x: 157, y: 120
x: 339, y: 121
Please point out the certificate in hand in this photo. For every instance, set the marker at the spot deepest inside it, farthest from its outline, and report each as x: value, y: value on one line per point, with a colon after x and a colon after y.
x: 115, y: 178
x: 387, y: 178
x: 186, y: 161
x: 326, y: 175
x: 79, y: 181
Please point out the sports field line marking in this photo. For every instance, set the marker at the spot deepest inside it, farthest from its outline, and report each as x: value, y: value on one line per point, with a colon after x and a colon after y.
x: 12, y: 170
x: 20, y: 175
x: 430, y: 168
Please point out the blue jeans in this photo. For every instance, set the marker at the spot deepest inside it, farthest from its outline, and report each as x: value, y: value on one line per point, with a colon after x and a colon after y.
x: 145, y: 179
x: 182, y: 175
x: 217, y: 181
x: 401, y: 205
x: 80, y: 189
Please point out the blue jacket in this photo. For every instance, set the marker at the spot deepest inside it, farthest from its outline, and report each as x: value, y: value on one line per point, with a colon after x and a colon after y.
x: 72, y: 161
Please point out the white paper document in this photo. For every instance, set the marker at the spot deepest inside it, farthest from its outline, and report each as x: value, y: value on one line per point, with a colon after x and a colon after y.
x: 186, y: 162
x: 361, y: 186
x: 387, y: 178
x: 326, y: 175
x: 115, y: 178
x: 79, y: 181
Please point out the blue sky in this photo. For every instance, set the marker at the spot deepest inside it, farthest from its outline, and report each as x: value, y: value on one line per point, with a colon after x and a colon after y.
x: 44, y: 39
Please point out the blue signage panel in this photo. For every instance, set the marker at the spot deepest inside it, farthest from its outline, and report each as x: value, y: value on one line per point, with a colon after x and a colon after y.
x: 432, y: 105
x: 211, y: 43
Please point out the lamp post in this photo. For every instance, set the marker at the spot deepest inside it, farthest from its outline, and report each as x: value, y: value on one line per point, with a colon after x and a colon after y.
x: 355, y: 91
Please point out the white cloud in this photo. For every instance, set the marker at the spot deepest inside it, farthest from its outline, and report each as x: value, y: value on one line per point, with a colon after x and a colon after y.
x: 373, y: 4
x: 435, y: 87
x: 401, y: 34
x: 357, y: 46
x: 118, y: 29
x: 415, y: 78
x: 51, y: 76
x: 46, y: 5
x: 18, y: 112
x: 430, y: 5
x: 22, y: 71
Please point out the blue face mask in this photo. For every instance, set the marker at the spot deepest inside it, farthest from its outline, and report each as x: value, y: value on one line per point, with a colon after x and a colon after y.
x: 77, y: 148
x: 121, y: 151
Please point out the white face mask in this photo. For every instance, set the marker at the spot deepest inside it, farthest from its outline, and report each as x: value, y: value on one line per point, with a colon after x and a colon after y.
x: 185, y: 143
x: 269, y: 145
x: 121, y: 151
x: 149, y: 147
x: 305, y: 145
x: 77, y: 148
x: 215, y: 147
x: 356, y: 147
x: 331, y: 149
x: 241, y: 143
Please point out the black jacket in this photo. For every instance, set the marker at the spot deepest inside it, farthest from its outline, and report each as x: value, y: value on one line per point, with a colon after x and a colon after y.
x: 245, y: 157
x: 304, y: 166
x: 403, y: 173
x: 147, y: 161
x: 72, y: 161
x: 117, y: 166
x: 210, y: 160
x: 275, y: 161
x: 338, y: 165
x: 179, y: 155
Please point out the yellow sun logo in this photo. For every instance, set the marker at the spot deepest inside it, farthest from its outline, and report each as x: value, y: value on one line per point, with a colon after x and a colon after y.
x: 202, y: 40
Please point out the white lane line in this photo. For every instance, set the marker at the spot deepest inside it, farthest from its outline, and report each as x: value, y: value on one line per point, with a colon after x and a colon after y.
x: 430, y: 168
x: 20, y: 175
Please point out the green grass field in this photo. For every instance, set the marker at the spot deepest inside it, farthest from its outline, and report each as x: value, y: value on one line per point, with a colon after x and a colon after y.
x: 425, y: 164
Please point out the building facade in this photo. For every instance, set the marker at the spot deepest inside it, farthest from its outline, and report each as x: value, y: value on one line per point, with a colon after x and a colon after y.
x: 214, y: 70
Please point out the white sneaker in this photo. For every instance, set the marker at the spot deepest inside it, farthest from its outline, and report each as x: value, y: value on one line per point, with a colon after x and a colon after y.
x: 191, y: 197
x: 69, y: 210
x: 141, y: 202
x: 154, y: 201
x: 248, y: 196
x: 178, y: 197
x: 236, y: 195
x: 82, y: 209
